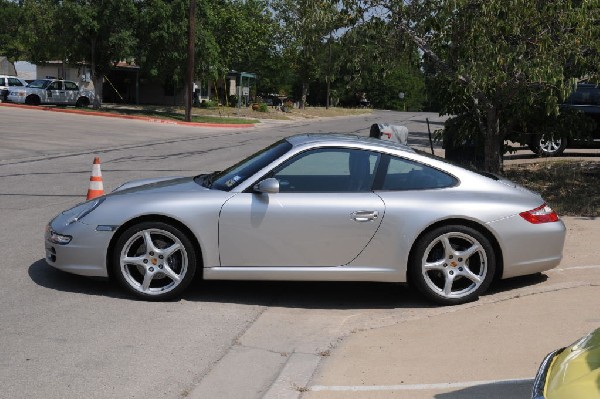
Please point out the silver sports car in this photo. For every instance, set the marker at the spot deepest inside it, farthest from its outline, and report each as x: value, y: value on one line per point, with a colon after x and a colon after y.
x: 314, y: 207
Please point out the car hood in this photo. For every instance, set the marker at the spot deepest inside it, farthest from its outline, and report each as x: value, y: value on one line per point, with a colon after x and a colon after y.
x: 143, y: 182
x: 159, y: 185
x: 575, y: 372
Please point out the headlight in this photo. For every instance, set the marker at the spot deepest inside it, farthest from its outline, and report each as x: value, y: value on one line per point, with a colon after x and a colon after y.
x: 56, y: 238
x: 78, y: 212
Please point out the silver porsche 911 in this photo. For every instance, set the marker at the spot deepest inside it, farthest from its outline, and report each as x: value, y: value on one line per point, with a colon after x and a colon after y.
x: 314, y: 207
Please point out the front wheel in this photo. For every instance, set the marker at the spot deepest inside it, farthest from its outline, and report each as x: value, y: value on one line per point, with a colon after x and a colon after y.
x: 547, y: 145
x: 154, y: 261
x: 452, y: 264
x: 32, y: 100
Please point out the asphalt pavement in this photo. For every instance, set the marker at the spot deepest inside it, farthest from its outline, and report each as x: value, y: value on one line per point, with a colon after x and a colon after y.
x: 64, y: 336
x: 487, y: 349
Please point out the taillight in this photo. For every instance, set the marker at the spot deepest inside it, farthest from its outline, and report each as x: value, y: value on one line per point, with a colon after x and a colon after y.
x: 541, y: 214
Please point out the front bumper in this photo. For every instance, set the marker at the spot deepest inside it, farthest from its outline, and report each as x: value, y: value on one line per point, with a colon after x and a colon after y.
x: 539, y: 384
x: 85, y: 254
x: 18, y: 99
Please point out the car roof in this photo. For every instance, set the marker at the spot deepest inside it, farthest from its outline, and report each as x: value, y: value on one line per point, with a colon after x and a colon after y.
x: 344, y: 140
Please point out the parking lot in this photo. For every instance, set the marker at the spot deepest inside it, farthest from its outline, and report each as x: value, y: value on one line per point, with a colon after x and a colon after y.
x: 65, y: 336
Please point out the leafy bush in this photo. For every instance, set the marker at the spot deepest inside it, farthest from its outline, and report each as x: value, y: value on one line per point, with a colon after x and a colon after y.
x: 208, y: 104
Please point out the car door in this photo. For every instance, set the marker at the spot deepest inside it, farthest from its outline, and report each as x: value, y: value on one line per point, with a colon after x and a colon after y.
x: 71, y: 91
x: 55, y: 93
x: 324, y: 215
x: 14, y: 83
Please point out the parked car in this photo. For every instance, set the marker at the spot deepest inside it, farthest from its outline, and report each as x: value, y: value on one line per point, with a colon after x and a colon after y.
x: 51, y: 91
x: 585, y: 99
x: 314, y: 207
x: 571, y: 372
x: 7, y: 83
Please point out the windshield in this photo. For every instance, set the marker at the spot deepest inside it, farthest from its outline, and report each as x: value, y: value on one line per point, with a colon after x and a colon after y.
x: 39, y: 84
x: 233, y: 176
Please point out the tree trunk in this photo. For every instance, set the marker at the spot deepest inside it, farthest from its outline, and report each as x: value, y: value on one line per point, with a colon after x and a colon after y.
x: 98, y: 83
x: 97, y: 78
x: 492, y: 161
x: 304, y: 95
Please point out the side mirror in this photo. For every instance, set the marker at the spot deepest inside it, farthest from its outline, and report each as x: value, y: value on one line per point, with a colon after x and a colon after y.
x: 268, y: 186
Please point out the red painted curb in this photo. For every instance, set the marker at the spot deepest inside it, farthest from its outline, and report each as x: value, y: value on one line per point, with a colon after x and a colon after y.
x: 141, y: 118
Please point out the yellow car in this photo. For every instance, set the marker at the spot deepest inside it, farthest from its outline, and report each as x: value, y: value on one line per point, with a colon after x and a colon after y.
x: 572, y: 372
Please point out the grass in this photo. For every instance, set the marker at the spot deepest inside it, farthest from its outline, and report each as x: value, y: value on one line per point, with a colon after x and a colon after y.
x: 571, y: 188
x: 176, y: 114
x: 233, y: 115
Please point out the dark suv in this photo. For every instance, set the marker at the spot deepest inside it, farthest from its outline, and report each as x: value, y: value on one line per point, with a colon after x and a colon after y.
x: 585, y: 99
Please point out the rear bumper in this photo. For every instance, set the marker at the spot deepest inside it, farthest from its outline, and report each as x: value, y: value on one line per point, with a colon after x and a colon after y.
x: 529, y: 248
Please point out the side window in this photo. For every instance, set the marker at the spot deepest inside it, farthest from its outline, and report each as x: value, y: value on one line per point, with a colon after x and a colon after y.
x: 403, y: 174
x: 585, y: 96
x: 71, y: 86
x: 55, y: 86
x: 14, y: 82
x: 2, y: 82
x: 328, y: 170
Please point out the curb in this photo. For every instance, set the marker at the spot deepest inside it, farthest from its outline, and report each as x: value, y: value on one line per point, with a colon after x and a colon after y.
x: 141, y: 118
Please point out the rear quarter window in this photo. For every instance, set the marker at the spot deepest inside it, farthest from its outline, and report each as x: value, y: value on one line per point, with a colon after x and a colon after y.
x: 399, y: 174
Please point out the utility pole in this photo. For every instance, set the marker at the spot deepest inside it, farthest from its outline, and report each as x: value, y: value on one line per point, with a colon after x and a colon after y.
x: 189, y: 81
x: 328, y: 74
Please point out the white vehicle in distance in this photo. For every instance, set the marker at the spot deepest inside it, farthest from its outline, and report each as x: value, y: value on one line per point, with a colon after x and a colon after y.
x: 51, y: 91
x: 8, y: 83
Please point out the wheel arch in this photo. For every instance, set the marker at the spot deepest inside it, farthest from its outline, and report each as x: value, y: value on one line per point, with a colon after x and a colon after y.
x: 154, y: 218
x: 463, y: 222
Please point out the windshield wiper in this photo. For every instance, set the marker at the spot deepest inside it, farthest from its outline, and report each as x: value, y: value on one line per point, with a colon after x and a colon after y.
x: 209, y: 179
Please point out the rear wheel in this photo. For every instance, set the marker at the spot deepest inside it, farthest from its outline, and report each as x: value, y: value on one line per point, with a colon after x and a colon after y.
x: 82, y: 102
x: 452, y: 264
x: 547, y: 145
x: 154, y: 261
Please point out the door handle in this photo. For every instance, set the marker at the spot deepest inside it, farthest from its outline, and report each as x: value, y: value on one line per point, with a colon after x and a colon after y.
x: 364, y: 216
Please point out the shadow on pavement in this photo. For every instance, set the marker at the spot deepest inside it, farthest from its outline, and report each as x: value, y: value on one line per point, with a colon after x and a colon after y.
x: 309, y: 295
x: 49, y: 277
x: 504, y: 390
x: 290, y: 294
x: 516, y: 282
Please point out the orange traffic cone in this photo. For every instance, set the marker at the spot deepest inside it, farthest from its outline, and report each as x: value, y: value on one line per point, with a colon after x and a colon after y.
x: 96, y: 188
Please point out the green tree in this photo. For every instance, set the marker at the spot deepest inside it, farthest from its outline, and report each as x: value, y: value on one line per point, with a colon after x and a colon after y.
x: 101, y: 32
x: 161, y: 34
x: 374, y: 60
x: 494, y: 60
x: 230, y: 34
x: 39, y: 31
x: 244, y: 31
x: 305, y: 27
x: 11, y: 13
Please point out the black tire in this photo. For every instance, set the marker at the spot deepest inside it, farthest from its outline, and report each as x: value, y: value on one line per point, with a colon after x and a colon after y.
x: 546, y: 145
x: 156, y: 272
x: 32, y: 100
x: 82, y: 102
x: 452, y: 264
